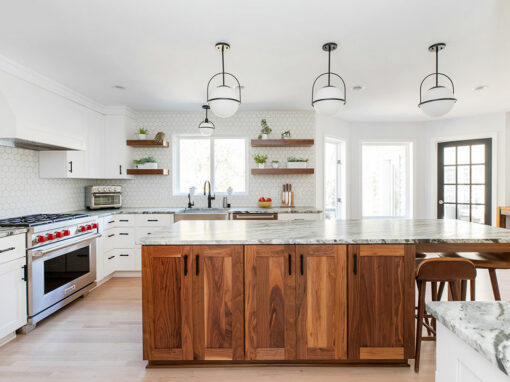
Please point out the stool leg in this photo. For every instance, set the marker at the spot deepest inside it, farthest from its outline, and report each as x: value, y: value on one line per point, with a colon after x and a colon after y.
x: 473, y: 289
x: 419, y: 323
x: 495, y: 286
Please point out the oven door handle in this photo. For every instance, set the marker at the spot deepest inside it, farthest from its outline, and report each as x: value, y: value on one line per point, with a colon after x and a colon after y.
x: 37, y: 254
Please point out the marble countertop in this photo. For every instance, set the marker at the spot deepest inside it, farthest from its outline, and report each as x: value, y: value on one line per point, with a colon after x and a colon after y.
x: 370, y: 231
x: 485, y: 326
x: 11, y: 231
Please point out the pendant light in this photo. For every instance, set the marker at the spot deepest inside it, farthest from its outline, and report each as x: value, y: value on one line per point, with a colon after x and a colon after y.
x: 329, y: 99
x: 206, y: 127
x: 223, y: 99
x: 437, y: 100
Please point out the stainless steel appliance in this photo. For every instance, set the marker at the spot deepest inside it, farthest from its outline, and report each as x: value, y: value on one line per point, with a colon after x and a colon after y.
x: 61, y: 260
x: 97, y: 197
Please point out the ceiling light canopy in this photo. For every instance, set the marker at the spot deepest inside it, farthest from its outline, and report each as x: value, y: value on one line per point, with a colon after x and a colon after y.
x: 329, y: 99
x: 439, y: 99
x: 206, y: 127
x: 223, y: 99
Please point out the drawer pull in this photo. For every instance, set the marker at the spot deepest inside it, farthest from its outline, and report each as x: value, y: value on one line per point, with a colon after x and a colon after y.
x: 290, y: 264
x: 152, y: 220
x: 7, y: 249
x: 111, y: 221
x: 124, y: 220
x: 196, y: 265
x: 185, y: 265
x: 111, y: 257
x: 111, y: 235
x: 124, y: 255
x: 124, y: 234
x: 302, y: 265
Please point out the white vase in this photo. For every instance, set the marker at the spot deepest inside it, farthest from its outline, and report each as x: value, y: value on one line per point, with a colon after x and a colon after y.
x: 275, y: 164
x: 148, y: 166
x: 264, y: 136
x: 261, y: 165
x: 296, y: 164
x: 142, y: 136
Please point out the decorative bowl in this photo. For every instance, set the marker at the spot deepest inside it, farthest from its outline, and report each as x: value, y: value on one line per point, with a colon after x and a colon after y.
x: 265, y: 204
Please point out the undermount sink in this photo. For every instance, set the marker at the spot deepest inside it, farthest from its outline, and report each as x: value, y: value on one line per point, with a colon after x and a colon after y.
x: 202, y: 214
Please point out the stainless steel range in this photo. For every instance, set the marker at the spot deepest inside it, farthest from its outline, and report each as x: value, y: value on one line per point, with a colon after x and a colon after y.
x: 61, y: 260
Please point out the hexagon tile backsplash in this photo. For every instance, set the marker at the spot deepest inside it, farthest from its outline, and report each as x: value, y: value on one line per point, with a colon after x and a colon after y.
x: 23, y: 192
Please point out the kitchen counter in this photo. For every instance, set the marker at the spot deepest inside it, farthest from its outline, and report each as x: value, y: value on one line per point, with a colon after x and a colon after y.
x: 386, y: 231
x: 11, y: 231
x: 484, y: 326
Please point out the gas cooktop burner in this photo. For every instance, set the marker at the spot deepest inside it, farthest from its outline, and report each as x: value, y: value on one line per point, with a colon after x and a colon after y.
x: 38, y: 219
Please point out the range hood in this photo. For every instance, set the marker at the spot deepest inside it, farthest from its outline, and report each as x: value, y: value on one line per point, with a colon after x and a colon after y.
x: 37, y: 119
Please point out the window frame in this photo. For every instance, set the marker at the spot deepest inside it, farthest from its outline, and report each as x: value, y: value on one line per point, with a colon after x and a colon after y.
x: 409, y: 154
x: 176, y: 164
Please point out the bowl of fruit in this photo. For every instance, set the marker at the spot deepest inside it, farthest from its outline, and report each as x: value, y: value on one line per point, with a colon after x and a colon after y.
x: 265, y: 202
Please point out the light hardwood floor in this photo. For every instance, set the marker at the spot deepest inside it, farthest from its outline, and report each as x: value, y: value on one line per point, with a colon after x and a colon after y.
x: 98, y: 338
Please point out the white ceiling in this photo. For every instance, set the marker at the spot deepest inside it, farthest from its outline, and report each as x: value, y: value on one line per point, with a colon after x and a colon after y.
x: 163, y: 52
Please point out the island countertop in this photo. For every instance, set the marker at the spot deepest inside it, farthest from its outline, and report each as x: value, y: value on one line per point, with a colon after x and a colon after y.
x: 369, y: 231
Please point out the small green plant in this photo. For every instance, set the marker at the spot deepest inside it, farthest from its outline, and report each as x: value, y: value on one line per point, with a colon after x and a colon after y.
x: 275, y: 161
x: 293, y: 159
x: 260, y: 159
x: 143, y: 131
x: 285, y: 134
x: 148, y: 159
x: 265, y: 127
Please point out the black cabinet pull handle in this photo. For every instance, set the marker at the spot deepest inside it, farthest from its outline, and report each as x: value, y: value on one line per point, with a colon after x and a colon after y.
x: 70, y: 166
x: 185, y: 265
x: 7, y: 249
x: 290, y: 264
x: 112, y: 221
x: 123, y: 220
x: 301, y: 260
x: 124, y: 233
x: 355, y: 264
x: 25, y: 274
x: 111, y: 257
x: 124, y: 255
x: 111, y: 235
x: 196, y: 265
x: 152, y: 220
x: 120, y: 169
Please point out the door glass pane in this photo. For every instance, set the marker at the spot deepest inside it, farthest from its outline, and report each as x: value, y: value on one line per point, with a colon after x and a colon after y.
x: 478, y: 214
x: 463, y: 212
x: 478, y: 154
x: 449, y: 194
x: 463, y: 155
x: 449, y: 155
x: 463, y: 174
x: 462, y: 194
x: 478, y: 174
x: 449, y: 211
x: 478, y: 194
x: 449, y: 174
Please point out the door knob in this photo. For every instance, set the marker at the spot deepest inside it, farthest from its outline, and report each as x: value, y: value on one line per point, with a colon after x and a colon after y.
x: 441, y: 202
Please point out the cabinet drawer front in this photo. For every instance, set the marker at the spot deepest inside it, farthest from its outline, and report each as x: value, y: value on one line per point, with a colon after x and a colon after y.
x: 109, y: 239
x: 146, y: 231
x: 154, y: 220
x: 125, y: 237
x: 286, y: 216
x: 109, y: 222
x: 125, y: 220
x: 110, y: 261
x: 126, y: 260
x: 381, y: 250
x: 12, y: 247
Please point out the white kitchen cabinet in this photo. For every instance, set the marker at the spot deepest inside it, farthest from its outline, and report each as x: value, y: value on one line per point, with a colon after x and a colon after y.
x: 125, y: 237
x: 13, y: 286
x: 297, y: 216
x: 109, y: 262
x: 126, y: 260
x: 117, y: 153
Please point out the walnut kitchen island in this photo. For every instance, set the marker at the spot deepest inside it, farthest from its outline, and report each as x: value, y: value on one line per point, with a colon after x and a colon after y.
x: 308, y: 292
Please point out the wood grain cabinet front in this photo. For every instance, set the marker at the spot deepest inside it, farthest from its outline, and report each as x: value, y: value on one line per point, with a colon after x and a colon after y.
x: 381, y: 302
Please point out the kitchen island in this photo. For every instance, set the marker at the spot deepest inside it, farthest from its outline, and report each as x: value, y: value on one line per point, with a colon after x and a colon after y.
x: 317, y: 292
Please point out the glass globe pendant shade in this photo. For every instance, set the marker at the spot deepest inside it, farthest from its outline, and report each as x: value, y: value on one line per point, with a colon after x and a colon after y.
x: 223, y: 101
x: 206, y: 128
x: 328, y: 100
x: 437, y: 101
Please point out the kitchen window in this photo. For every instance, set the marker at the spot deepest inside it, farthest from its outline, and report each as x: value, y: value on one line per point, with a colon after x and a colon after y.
x: 387, y: 179
x: 221, y: 160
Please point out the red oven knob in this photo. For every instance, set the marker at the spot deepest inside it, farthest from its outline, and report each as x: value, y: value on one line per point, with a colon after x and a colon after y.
x: 67, y: 232
x: 83, y: 229
x: 41, y: 239
x: 59, y: 234
x: 51, y: 236
x: 94, y: 225
x: 89, y: 227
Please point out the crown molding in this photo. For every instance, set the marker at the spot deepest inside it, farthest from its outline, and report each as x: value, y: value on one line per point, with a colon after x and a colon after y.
x: 120, y: 110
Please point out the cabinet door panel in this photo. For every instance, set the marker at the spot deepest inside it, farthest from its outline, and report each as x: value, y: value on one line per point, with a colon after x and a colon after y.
x: 218, y: 311
x: 167, y: 303
x: 321, y: 302
x: 270, y: 302
x: 381, y: 301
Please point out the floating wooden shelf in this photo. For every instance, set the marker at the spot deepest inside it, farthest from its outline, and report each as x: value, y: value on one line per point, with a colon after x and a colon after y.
x: 282, y: 142
x: 146, y: 143
x: 141, y: 171
x: 282, y: 171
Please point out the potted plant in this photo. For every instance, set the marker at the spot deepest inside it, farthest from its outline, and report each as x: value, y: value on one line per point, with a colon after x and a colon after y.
x: 293, y: 162
x: 285, y: 134
x: 275, y: 163
x: 260, y: 159
x: 265, y: 130
x: 142, y: 133
x: 146, y: 163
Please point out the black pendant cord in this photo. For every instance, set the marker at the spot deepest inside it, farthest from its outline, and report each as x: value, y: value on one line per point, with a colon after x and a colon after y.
x: 206, y: 120
x: 329, y: 65
x: 223, y: 63
x: 437, y: 66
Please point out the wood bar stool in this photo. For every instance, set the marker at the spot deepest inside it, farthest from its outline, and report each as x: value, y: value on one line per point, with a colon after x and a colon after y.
x: 438, y: 270
x: 484, y: 260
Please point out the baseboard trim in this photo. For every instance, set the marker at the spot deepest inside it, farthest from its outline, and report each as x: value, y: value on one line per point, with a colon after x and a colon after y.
x: 8, y: 338
x: 127, y: 274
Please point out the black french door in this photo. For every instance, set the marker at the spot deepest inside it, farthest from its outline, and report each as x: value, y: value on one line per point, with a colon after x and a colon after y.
x: 465, y: 180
